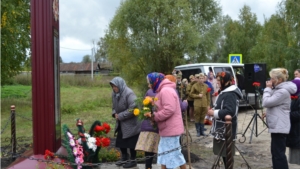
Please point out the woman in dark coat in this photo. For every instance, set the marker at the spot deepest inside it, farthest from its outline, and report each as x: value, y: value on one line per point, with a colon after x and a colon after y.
x: 293, y: 138
x: 227, y: 103
x: 127, y: 125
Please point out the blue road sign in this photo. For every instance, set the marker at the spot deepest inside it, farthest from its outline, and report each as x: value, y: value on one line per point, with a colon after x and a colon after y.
x: 235, y: 58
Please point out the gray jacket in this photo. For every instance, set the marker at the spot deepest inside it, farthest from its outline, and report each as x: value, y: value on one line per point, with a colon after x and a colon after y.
x: 278, y: 102
x: 123, y: 102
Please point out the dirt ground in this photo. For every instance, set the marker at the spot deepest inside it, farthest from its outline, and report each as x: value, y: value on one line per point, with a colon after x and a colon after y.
x: 257, y: 153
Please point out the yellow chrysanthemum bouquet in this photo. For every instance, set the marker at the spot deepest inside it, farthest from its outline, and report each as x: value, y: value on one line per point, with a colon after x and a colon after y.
x: 144, y: 108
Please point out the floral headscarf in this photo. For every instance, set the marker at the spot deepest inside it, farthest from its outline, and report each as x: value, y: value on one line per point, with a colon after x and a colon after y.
x: 224, y: 78
x: 155, y: 79
x: 120, y: 83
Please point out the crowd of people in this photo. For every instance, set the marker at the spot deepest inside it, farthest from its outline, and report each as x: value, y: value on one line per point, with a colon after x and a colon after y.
x: 203, y: 96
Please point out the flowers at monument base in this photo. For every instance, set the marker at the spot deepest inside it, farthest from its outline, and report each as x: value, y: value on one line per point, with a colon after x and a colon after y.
x: 48, y: 155
x: 86, y: 147
x: 99, y: 138
x: 76, y: 149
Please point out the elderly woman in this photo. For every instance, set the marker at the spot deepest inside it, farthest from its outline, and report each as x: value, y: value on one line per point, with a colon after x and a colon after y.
x: 276, y: 99
x: 127, y: 125
x: 170, y: 125
x: 227, y: 103
x: 149, y: 137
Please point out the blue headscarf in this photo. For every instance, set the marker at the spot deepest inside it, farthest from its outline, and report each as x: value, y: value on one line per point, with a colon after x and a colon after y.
x: 155, y: 79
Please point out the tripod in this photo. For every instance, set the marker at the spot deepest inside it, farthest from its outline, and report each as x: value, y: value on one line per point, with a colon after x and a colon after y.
x: 254, y: 120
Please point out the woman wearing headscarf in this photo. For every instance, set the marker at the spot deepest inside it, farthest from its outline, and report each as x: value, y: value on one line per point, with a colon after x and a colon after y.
x: 127, y: 125
x: 277, y: 100
x: 149, y: 137
x: 170, y: 124
x: 227, y: 103
x: 293, y: 138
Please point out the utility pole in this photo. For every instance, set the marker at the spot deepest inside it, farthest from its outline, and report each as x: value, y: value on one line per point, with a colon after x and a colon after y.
x: 92, y: 65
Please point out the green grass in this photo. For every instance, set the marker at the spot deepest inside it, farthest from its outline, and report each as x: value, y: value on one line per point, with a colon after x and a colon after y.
x: 89, y: 102
x: 15, y: 91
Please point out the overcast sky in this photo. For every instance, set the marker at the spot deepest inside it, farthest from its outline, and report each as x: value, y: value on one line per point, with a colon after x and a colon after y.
x: 85, y: 21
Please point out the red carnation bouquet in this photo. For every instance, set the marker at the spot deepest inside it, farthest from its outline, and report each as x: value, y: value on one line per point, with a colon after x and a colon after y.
x: 294, y: 97
x: 48, y: 155
x: 256, y: 84
x: 208, y: 90
x: 100, y: 135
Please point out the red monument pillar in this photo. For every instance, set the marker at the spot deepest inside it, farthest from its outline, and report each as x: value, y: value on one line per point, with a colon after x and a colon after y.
x: 45, y: 75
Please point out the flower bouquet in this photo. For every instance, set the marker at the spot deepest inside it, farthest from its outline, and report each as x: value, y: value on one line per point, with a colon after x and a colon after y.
x: 144, y: 108
x: 87, y: 147
x: 259, y: 96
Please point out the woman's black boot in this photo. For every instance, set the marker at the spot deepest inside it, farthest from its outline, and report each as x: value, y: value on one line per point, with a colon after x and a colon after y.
x: 123, y: 160
x: 130, y: 164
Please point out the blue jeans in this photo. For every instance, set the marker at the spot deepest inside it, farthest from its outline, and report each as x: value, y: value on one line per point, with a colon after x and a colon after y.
x: 278, y: 147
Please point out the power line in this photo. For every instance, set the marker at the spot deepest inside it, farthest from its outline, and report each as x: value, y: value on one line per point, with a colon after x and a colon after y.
x: 75, y: 49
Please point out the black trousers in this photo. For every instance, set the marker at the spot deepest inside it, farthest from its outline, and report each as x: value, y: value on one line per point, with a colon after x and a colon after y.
x: 149, y: 160
x: 278, y: 147
x: 132, y: 153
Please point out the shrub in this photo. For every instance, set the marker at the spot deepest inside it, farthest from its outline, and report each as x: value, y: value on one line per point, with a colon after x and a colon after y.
x: 140, y: 154
x: 23, y: 79
x: 109, y: 154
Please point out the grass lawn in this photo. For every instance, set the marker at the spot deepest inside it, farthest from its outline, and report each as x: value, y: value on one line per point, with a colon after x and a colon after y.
x: 88, y: 104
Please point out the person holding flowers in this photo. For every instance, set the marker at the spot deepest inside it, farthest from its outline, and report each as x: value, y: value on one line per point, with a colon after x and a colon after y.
x: 127, y: 125
x: 149, y: 137
x: 170, y: 124
x: 293, y: 138
x: 277, y: 100
x: 201, y: 95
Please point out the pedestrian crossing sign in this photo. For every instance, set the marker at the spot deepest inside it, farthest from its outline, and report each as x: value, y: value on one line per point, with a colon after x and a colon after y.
x: 235, y: 58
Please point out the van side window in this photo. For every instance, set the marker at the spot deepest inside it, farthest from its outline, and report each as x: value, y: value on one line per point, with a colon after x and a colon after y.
x: 186, y: 73
x: 228, y: 69
x: 217, y: 70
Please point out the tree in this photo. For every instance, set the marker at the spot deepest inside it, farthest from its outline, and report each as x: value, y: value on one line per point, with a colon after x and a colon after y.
x: 147, y: 36
x: 241, y: 35
x: 86, y: 59
x: 278, y: 43
x: 219, y: 40
x: 291, y: 10
x: 271, y: 43
x: 101, y: 55
x: 15, y: 37
x: 206, y: 15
